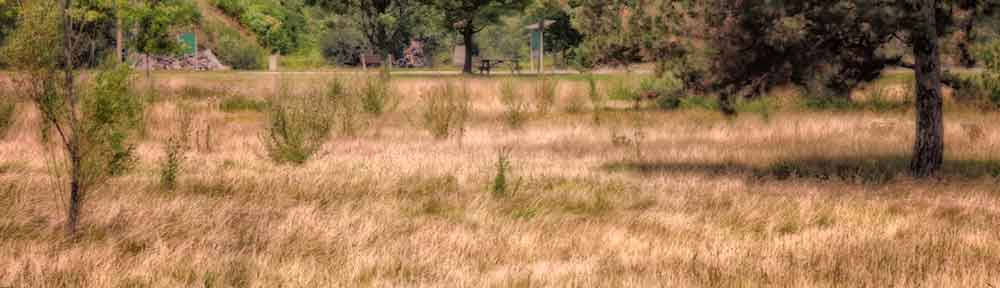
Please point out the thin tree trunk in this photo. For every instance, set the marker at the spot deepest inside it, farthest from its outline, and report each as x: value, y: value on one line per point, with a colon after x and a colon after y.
x: 469, y: 47
x: 73, y: 145
x: 928, y: 151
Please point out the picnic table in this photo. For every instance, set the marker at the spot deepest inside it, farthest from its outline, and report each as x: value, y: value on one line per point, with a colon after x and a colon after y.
x: 486, y: 65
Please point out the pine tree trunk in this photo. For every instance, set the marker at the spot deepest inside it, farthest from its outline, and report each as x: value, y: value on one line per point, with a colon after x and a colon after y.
x: 928, y: 151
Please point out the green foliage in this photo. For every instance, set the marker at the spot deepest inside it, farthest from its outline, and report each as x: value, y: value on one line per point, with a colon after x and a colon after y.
x: 343, y: 43
x: 499, y: 186
x: 560, y: 36
x: 605, y: 36
x: 175, y: 149
x: 159, y: 20
x: 983, y: 90
x: 37, y: 26
x: 515, y: 107
x: 8, y: 19
x: 234, y: 50
x: 444, y: 111
x: 112, y: 117
x: 278, y: 25
x: 506, y: 39
x: 297, y: 127
x: 377, y: 95
x: 470, y: 17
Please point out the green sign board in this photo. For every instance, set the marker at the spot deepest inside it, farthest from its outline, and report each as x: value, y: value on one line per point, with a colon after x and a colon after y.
x: 536, y: 40
x: 189, y: 43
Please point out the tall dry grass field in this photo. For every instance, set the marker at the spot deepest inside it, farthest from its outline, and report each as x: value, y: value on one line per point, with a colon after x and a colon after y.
x: 804, y: 199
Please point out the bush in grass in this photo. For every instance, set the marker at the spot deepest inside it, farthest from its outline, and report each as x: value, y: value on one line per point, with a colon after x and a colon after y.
x: 515, y: 107
x: 545, y: 95
x: 500, y: 187
x: 112, y: 118
x: 445, y: 109
x: 377, y: 96
x: 296, y: 128
x: 176, y: 148
x: 983, y: 90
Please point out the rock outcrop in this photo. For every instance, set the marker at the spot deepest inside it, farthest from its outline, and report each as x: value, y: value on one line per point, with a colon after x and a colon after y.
x: 204, y: 60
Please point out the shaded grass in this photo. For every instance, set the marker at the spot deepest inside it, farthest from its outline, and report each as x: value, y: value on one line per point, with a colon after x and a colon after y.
x: 876, y: 170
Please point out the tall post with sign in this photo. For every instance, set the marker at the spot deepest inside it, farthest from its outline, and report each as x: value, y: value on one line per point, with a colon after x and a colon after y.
x: 538, y: 44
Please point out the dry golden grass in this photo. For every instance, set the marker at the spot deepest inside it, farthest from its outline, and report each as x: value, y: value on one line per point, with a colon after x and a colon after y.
x: 709, y: 202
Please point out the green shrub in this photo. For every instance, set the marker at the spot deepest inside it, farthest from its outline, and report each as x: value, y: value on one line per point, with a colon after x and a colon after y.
x: 175, y: 149
x: 500, y: 188
x: 111, y: 118
x: 445, y: 109
x: 668, y: 102
x: 515, y: 107
x: 278, y: 25
x: 297, y: 127
x: 343, y: 42
x: 377, y: 96
x: 238, y: 104
x: 545, y: 95
x: 983, y: 90
x: 239, y: 53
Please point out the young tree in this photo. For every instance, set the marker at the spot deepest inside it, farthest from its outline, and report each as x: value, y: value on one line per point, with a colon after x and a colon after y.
x: 468, y: 17
x: 94, y: 127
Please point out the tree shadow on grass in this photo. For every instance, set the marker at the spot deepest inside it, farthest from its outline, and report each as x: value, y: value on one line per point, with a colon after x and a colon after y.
x: 861, y: 170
